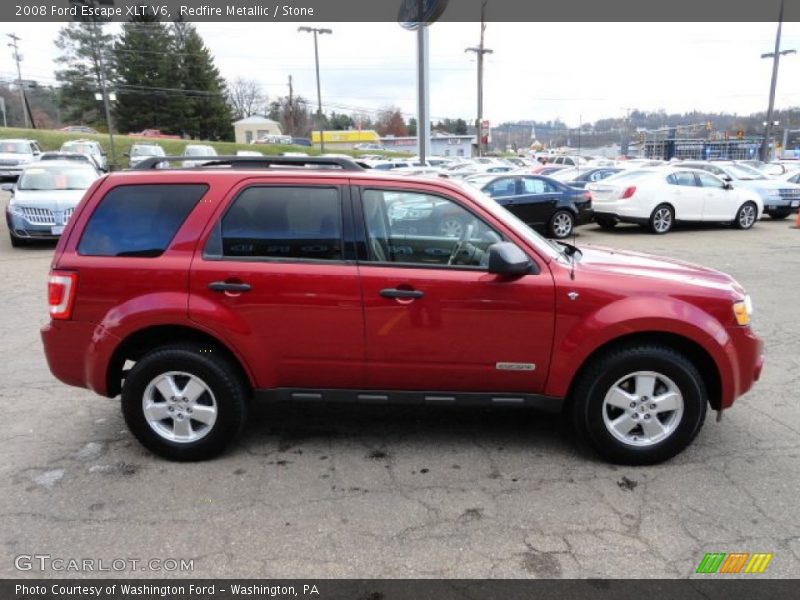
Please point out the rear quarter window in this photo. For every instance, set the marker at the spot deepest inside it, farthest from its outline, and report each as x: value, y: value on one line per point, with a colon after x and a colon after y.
x: 138, y: 220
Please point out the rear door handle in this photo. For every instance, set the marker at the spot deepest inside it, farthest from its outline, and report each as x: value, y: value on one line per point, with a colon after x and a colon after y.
x: 395, y: 293
x: 224, y: 286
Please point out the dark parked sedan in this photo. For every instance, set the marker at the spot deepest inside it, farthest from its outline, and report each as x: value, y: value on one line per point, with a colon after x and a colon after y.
x: 539, y: 201
x: 593, y: 175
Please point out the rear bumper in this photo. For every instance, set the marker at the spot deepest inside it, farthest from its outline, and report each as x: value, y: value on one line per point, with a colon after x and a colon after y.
x: 619, y: 217
x: 79, y: 353
x: 584, y: 216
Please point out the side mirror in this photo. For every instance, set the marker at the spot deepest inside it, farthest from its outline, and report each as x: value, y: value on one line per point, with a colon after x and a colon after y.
x: 128, y: 154
x: 726, y: 177
x: 7, y: 187
x: 727, y: 185
x: 506, y: 258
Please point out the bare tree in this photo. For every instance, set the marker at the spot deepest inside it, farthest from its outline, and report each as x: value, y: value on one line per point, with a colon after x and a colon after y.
x: 246, y: 98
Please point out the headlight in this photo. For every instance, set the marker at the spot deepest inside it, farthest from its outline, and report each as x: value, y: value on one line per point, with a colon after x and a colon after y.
x: 743, y: 310
x: 774, y: 193
x: 15, y: 210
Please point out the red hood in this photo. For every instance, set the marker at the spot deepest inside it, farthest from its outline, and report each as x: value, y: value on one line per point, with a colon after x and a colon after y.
x: 640, y: 264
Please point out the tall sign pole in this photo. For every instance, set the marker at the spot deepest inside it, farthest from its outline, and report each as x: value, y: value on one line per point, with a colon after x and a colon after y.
x: 480, y: 50
x: 776, y: 57
x: 417, y: 15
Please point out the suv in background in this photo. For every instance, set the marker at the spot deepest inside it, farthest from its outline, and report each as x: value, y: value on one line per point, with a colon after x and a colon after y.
x: 91, y: 149
x: 299, y: 279
x: 140, y: 152
x: 780, y: 197
x: 15, y: 154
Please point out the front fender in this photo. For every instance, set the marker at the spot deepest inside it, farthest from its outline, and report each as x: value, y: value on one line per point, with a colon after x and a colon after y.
x: 577, y: 338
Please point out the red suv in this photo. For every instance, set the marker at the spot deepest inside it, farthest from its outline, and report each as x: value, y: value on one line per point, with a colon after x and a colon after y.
x: 192, y: 291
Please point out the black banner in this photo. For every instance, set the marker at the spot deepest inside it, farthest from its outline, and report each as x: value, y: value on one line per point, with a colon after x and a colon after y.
x: 710, y: 588
x: 394, y: 10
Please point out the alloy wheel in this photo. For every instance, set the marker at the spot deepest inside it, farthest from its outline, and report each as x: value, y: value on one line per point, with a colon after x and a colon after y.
x: 179, y: 407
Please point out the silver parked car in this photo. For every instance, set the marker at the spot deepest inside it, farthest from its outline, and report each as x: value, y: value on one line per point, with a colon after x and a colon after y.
x: 15, y: 154
x: 89, y: 148
x: 198, y: 150
x: 141, y: 151
x: 44, y: 198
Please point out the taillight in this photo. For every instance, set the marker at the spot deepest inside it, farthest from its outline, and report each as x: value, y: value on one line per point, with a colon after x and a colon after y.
x: 61, y: 287
x: 628, y: 192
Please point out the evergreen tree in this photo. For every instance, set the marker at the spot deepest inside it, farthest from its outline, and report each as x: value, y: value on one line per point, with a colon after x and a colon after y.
x: 84, y: 48
x: 144, y: 60
x: 207, y: 114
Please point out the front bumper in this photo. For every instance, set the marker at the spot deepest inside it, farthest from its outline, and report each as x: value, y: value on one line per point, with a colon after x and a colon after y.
x: 10, y: 172
x: 745, y: 351
x: 23, y: 229
x: 780, y: 205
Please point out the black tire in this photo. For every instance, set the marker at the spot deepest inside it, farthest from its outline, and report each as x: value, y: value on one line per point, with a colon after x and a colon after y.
x: 220, y: 376
x: 606, y: 222
x: 561, y: 224
x: 662, y: 219
x: 779, y: 215
x: 601, y: 376
x: 746, y: 216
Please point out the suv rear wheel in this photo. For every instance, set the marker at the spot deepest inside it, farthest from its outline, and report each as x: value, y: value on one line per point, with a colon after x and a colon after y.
x: 639, y: 405
x: 184, y: 402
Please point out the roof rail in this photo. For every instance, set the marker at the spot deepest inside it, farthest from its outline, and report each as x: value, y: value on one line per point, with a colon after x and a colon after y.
x: 248, y: 162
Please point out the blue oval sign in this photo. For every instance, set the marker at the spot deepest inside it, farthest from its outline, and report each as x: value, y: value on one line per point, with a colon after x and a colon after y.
x: 409, y: 14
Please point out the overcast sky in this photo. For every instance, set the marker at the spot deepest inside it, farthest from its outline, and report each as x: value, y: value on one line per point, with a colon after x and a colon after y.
x: 538, y: 71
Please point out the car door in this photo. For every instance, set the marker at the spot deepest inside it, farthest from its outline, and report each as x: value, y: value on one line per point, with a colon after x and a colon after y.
x: 719, y: 203
x: 537, y: 200
x: 435, y: 318
x: 504, y: 191
x: 276, y: 275
x: 686, y: 196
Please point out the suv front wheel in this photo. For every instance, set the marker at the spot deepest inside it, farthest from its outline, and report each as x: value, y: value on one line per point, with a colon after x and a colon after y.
x: 184, y: 402
x: 640, y: 405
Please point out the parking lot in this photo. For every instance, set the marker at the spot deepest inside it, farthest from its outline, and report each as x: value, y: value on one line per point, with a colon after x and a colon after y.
x: 330, y: 491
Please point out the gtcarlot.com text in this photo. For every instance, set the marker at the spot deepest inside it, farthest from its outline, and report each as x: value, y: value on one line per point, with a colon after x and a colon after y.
x: 47, y: 562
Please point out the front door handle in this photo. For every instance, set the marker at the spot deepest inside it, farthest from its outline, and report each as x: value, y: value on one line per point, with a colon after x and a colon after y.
x: 395, y: 293
x: 225, y: 286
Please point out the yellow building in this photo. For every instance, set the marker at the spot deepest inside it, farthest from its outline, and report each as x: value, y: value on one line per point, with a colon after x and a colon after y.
x: 347, y: 138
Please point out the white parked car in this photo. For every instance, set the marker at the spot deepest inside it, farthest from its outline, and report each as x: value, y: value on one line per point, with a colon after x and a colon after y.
x: 658, y: 197
x: 203, y: 150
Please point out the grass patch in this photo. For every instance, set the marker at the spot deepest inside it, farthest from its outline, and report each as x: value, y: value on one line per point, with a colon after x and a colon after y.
x: 50, y: 139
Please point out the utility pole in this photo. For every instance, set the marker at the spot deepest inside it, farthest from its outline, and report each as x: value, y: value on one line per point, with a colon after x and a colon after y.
x: 480, y: 50
x: 101, y: 73
x: 18, y: 59
x: 775, y: 56
x: 317, y: 31
x: 626, y: 136
x: 291, y: 107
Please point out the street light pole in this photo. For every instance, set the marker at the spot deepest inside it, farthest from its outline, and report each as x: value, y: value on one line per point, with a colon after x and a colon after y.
x: 480, y: 51
x: 13, y: 45
x: 775, y: 56
x: 104, y: 91
x: 317, y: 31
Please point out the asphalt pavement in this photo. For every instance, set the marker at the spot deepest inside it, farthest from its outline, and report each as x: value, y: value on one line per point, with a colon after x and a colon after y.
x: 331, y: 491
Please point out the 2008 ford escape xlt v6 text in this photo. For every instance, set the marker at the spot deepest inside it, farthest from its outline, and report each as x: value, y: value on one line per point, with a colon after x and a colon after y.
x: 191, y: 291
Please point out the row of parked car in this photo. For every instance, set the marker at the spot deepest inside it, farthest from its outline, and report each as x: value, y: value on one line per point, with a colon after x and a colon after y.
x: 557, y: 197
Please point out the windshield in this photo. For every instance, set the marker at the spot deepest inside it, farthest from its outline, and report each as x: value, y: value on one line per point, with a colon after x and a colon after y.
x: 200, y: 151
x: 743, y: 172
x: 56, y: 178
x: 79, y: 148
x: 15, y: 147
x: 147, y: 151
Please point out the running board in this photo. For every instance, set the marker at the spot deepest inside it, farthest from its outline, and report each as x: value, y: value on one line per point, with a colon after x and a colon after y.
x: 546, y: 403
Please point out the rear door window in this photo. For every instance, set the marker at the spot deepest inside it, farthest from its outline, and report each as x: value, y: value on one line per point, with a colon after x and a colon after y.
x: 272, y: 222
x: 139, y: 220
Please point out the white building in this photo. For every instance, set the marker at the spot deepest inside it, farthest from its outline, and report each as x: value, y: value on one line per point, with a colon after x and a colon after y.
x: 249, y: 129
